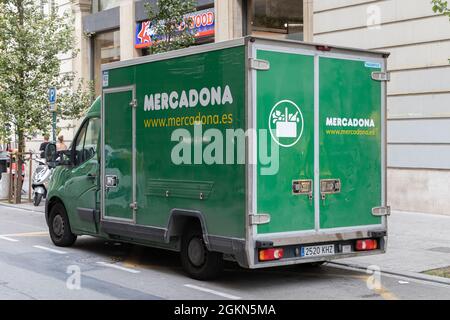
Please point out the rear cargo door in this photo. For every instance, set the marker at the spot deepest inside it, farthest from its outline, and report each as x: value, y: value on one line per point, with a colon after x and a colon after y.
x: 284, y: 115
x: 350, y: 142
x: 118, y: 156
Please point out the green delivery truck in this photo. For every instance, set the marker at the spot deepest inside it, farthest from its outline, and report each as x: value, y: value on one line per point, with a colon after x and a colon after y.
x: 260, y: 151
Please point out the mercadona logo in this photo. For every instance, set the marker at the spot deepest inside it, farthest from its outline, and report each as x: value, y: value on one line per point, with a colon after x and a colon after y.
x: 286, y: 123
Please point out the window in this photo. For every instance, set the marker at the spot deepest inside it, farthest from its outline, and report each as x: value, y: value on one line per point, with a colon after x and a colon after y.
x: 107, y: 4
x: 87, y: 141
x: 100, y: 5
x: 277, y: 18
x: 106, y: 50
x: 92, y: 137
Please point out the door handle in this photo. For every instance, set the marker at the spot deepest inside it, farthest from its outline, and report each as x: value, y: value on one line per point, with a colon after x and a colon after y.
x: 303, y: 187
x: 329, y: 186
x: 111, y: 181
x: 91, y: 176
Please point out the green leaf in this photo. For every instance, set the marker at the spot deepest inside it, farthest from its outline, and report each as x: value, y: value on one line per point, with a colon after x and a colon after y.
x: 30, y: 42
x: 166, y: 18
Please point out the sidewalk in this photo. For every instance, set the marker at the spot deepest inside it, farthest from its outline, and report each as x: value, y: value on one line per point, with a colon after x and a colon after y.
x: 25, y: 205
x: 417, y: 242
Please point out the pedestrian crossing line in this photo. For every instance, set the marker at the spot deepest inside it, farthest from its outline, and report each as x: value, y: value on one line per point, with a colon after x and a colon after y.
x: 50, y: 250
x: 6, y: 238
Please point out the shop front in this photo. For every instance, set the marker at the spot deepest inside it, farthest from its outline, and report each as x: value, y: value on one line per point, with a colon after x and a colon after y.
x: 121, y: 30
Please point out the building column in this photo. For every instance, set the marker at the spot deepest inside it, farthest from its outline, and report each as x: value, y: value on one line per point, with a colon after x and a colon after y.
x: 127, y: 30
x: 80, y: 64
x: 228, y: 19
x: 308, y: 20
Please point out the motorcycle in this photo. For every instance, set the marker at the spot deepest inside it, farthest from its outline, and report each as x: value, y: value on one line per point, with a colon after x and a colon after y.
x: 41, y: 179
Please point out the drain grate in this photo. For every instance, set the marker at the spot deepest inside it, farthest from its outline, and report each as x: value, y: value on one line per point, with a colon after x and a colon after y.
x: 440, y: 249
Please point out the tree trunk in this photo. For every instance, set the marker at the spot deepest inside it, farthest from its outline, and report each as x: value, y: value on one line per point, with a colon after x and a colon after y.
x: 19, y: 127
x: 18, y: 179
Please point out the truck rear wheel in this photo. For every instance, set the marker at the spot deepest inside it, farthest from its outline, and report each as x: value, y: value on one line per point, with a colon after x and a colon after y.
x: 59, y: 227
x: 198, y: 262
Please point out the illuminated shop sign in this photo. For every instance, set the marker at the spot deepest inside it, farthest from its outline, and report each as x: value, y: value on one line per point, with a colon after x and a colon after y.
x: 203, y: 22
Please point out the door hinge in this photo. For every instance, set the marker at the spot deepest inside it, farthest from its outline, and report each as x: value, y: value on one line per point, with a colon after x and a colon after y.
x: 133, y: 206
x: 381, y: 211
x: 258, y: 64
x: 381, y: 76
x: 133, y: 103
x: 261, y: 218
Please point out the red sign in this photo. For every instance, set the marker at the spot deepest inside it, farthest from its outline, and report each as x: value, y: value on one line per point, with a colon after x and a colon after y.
x: 203, y: 23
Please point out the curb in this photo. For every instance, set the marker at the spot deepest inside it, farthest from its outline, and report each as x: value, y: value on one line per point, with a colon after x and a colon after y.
x: 406, y: 274
x: 9, y: 205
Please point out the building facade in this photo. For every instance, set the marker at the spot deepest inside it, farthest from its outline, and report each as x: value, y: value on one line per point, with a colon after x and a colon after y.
x: 114, y: 30
x: 418, y: 93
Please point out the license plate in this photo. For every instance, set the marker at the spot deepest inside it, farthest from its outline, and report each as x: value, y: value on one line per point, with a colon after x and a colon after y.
x: 314, y: 251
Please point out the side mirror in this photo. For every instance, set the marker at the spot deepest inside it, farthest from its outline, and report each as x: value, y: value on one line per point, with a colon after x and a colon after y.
x: 50, y: 153
x: 64, y: 157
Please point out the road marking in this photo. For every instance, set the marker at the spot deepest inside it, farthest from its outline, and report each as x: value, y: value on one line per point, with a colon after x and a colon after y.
x: 28, y: 234
x: 386, y: 294
x: 383, y: 292
x: 115, y: 266
x: 218, y: 293
x: 8, y: 239
x: 50, y: 250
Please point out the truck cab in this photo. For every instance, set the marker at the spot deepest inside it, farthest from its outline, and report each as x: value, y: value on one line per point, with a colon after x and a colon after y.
x: 74, y: 187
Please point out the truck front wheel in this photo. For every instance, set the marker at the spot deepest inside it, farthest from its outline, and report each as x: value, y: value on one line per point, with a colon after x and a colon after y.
x: 59, y: 227
x: 198, y: 262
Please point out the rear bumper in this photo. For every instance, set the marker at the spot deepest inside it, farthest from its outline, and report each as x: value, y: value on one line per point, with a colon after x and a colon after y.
x: 292, y: 244
x: 293, y: 238
x: 292, y: 261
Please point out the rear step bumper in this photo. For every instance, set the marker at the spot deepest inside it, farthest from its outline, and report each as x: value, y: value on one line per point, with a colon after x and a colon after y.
x: 292, y: 261
x: 344, y: 244
x: 294, y: 238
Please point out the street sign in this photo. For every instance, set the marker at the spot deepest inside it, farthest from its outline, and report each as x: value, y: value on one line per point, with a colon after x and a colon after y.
x: 52, y: 101
x: 52, y: 95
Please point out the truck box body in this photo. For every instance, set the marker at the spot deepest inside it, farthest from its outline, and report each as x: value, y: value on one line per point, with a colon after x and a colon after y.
x: 269, y: 144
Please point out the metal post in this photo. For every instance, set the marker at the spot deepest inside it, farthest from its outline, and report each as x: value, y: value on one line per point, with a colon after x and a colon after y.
x: 10, y: 179
x: 29, y: 177
x: 54, y: 126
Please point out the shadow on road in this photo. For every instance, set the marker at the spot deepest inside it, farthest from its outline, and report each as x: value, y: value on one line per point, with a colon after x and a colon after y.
x: 233, y: 277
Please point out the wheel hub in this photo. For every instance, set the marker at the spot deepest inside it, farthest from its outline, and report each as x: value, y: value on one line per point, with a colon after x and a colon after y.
x: 196, y: 252
x: 58, y: 226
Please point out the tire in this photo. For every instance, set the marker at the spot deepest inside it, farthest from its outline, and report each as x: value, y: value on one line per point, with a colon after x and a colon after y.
x: 37, y: 199
x: 197, y: 261
x: 59, y: 227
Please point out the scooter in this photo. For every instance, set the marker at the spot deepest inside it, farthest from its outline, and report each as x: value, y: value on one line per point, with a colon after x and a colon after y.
x: 41, y: 179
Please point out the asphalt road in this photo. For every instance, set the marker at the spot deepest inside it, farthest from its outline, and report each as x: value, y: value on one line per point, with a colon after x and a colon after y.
x: 32, y: 268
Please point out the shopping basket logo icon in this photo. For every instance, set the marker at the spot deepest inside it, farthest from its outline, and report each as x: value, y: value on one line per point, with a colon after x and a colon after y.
x: 286, y: 123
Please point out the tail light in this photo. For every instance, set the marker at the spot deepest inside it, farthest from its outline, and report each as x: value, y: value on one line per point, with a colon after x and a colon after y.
x: 367, y: 244
x: 270, y: 254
